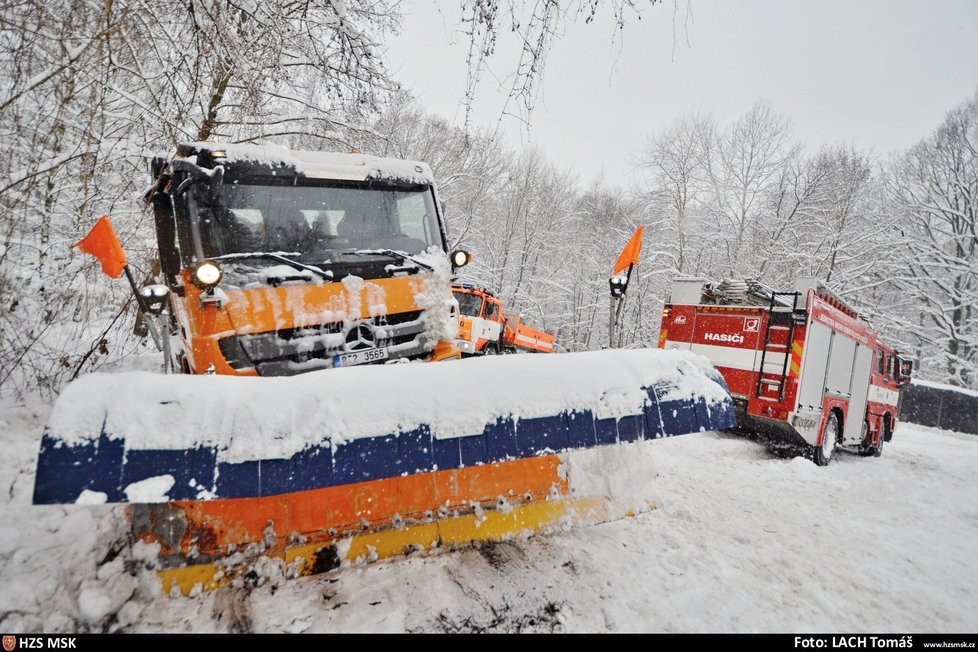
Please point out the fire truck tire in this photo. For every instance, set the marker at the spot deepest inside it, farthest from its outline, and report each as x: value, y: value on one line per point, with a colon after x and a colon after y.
x: 887, y: 428
x: 491, y: 349
x: 822, y: 454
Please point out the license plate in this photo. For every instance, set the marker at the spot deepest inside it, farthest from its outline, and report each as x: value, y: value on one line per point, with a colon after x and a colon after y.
x: 359, y: 357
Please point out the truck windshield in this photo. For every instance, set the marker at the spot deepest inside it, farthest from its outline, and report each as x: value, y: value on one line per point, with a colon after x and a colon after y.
x: 468, y: 304
x: 315, y: 222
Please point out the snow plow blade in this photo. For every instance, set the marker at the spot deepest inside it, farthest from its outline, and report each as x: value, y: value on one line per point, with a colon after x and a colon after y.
x: 361, y: 463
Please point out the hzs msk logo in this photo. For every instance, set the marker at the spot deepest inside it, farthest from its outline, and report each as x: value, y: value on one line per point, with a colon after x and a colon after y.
x: 9, y: 643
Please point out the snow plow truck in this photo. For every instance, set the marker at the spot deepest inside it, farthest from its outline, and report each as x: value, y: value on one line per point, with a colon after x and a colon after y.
x: 805, y: 370
x: 296, y: 288
x: 484, y: 328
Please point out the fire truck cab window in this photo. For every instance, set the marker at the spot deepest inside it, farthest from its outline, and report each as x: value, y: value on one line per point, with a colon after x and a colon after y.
x: 880, y: 362
x: 469, y: 305
x: 492, y: 310
x: 890, y: 370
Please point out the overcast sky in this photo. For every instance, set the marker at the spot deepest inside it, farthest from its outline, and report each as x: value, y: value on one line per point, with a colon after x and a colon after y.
x: 874, y: 73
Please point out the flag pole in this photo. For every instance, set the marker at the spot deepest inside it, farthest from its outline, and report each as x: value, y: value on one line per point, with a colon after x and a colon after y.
x: 619, y: 285
x: 617, y: 305
x: 144, y: 309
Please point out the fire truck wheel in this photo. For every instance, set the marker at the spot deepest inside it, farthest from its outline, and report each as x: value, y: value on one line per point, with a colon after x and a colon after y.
x: 830, y: 439
x: 885, y: 436
x: 867, y: 450
x: 878, y: 450
x: 491, y: 349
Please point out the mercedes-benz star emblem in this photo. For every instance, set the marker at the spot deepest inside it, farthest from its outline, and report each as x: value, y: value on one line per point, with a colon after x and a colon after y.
x: 360, y: 337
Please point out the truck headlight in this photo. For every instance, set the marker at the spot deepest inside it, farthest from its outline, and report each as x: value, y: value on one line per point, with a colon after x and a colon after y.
x: 205, y: 275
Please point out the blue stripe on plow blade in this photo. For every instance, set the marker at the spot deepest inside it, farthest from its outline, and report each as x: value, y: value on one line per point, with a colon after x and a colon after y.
x: 104, y: 464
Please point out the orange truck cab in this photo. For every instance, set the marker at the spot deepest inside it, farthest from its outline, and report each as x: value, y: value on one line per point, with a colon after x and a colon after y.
x: 280, y: 262
x: 485, y: 328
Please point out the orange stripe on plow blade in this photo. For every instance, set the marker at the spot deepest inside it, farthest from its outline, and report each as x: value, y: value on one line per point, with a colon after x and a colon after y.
x: 185, y: 529
x: 491, y: 524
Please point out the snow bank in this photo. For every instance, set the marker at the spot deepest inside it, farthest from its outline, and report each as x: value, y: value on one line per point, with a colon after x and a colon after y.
x: 267, y: 418
x: 625, y: 474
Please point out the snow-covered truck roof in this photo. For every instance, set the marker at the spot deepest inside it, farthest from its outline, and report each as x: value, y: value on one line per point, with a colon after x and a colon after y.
x: 309, y: 164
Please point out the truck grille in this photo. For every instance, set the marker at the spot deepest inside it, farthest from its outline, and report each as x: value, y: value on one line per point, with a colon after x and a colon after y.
x: 296, y: 350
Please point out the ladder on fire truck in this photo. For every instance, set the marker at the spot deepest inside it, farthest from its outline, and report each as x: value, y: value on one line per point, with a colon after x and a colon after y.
x: 781, y: 319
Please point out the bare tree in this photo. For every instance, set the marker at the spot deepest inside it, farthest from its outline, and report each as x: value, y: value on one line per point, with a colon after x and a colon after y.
x: 743, y: 165
x: 86, y: 100
x: 676, y: 159
x: 536, y: 26
x: 935, y: 185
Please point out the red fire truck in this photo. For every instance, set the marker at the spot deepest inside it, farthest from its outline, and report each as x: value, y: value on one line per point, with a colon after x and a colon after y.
x: 803, y: 367
x: 484, y: 327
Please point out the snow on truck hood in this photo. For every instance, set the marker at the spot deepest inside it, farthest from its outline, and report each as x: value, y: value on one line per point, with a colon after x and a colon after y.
x: 326, y: 165
x: 249, y: 418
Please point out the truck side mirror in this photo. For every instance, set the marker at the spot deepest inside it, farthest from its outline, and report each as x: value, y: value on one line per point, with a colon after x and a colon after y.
x: 618, y: 285
x: 904, y: 369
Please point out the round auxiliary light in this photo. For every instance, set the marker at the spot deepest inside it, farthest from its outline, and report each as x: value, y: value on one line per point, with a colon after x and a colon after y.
x: 206, y: 275
x: 153, y: 291
x: 460, y: 258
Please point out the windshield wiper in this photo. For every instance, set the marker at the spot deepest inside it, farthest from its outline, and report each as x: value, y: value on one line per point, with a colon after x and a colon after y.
x: 279, y: 257
x: 400, y: 255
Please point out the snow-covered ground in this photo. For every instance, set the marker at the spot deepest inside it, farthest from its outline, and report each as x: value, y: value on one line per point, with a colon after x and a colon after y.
x: 742, y: 541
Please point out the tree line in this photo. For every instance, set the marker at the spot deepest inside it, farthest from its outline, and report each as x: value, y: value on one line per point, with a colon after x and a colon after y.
x: 895, y: 237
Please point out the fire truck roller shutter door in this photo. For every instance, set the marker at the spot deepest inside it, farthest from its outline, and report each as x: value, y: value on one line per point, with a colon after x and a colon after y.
x: 814, y: 361
x: 856, y: 415
x: 838, y: 379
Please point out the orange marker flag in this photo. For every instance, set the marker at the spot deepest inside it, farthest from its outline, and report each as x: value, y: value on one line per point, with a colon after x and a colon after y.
x: 102, y: 243
x: 629, y: 255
